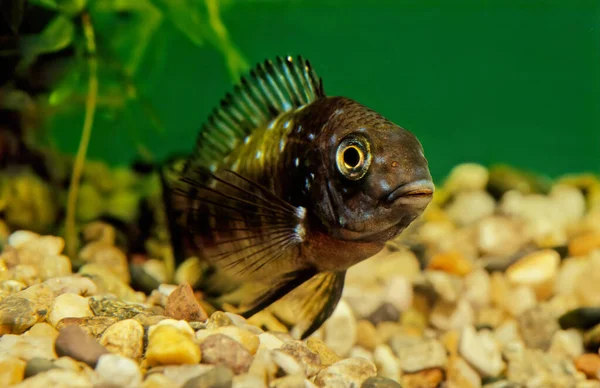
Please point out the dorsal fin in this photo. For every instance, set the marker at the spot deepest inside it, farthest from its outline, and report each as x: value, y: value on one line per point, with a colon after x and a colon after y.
x: 270, y: 89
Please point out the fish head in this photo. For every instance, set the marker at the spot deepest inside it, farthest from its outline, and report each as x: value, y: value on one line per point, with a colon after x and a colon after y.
x: 376, y: 178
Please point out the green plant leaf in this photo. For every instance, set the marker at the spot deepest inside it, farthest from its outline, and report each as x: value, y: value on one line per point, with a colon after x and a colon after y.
x: 57, y: 35
x: 12, y: 13
x: 44, y: 3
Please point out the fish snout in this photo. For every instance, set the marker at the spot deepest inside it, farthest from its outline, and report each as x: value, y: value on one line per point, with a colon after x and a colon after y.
x: 417, y: 193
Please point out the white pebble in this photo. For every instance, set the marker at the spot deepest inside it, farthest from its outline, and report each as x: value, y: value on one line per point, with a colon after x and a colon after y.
x: 340, y: 330
x: 119, y: 371
x: 69, y: 305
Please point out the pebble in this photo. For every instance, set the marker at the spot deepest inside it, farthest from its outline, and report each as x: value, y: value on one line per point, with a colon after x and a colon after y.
x: 344, y: 373
x: 306, y: 357
x: 386, y: 363
x: 584, y: 244
x: 12, y: 371
x: 20, y: 311
x: 589, y: 364
x: 107, y: 256
x: 218, y: 377
x: 108, y: 283
x: 477, y: 288
x: 466, y: 177
x: 580, y: 318
x: 448, y: 287
x: 386, y: 312
x: 182, y: 304
x: 248, y: 381
x: 56, y: 378
x: 499, y: 235
x: 113, y: 369
x: 453, y: 262
x: 75, y: 284
x: 170, y: 345
x: 288, y: 364
x: 263, y: 366
x: 38, y: 365
x: 219, y: 349
x: 94, y: 326
x: 538, y: 325
x: 421, y: 355
x: 69, y: 305
x: 248, y: 339
x: 107, y: 307
x: 480, y: 350
x: 462, y: 375
x: 340, y: 330
x: 380, y: 382
x: 447, y: 316
x: 269, y: 341
x: 567, y: 343
x: 328, y: 357
x: 470, y: 207
x: 74, y: 342
x: 537, y: 270
x: 180, y: 374
x: 366, y: 335
x: 125, y: 338
x: 428, y: 378
x: 27, y: 347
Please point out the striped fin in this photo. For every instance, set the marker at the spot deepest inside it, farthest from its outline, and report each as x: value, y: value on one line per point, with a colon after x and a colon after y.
x: 271, y: 88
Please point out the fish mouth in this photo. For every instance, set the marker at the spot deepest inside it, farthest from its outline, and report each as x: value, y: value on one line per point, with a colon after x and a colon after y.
x: 417, y: 193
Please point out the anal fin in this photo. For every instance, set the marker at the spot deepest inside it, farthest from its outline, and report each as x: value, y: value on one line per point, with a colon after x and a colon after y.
x: 308, y: 306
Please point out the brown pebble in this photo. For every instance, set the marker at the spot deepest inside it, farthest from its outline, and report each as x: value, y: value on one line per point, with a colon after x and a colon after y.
x: 387, y: 312
x: 589, y: 364
x: 305, y: 356
x: 74, y: 342
x: 366, y: 335
x: 428, y: 378
x: 219, y: 349
x: 182, y: 304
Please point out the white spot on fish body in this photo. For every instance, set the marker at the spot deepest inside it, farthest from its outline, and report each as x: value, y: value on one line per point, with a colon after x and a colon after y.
x: 258, y: 154
x: 311, y: 136
x: 286, y: 124
x: 281, y: 145
x: 297, y: 162
x: 246, y: 139
x: 384, y: 185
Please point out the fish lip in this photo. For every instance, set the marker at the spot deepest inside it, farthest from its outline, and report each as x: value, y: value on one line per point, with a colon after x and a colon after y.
x: 419, y: 190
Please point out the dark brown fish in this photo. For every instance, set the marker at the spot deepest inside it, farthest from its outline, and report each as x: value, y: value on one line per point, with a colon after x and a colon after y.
x: 286, y: 189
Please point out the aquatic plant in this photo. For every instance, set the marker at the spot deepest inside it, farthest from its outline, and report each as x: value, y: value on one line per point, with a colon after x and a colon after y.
x: 98, y: 57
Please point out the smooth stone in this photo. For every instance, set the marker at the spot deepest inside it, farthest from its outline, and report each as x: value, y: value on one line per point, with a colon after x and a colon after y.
x: 12, y: 370
x: 180, y: 325
x: 170, y: 345
x: 286, y: 363
x: 340, y: 329
x: 107, y: 256
x: 218, y: 377
x: 387, y: 364
x: 125, y: 338
x: 448, y: 287
x: 469, y: 207
x: 399, y: 293
x: 69, y: 306
x: 461, y: 374
x: 589, y: 364
x: 19, y: 238
x: 113, y: 369
x: 38, y: 365
x: 109, y: 283
x: 328, y: 357
x: 580, y: 318
x: 219, y: 349
x: 380, y: 382
x: 366, y: 335
x: 537, y: 270
x: 94, y: 326
x: 525, y: 365
x: 56, y: 378
x: 584, y: 244
x: 74, y: 342
x: 537, y: 326
x: 263, y: 365
x: 479, y: 349
x: 248, y: 381
x: 180, y: 374
x: 424, y: 354
x: 20, y: 311
x: 348, y: 372
x: 269, y: 341
x: 54, y: 267
x: 447, y: 316
x: 425, y: 378
x: 156, y: 380
x: 182, y: 304
x: 75, y: 284
x: 42, y: 330
x: 248, y: 339
x: 466, y: 177
x: 290, y: 381
x: 500, y: 236
x: 27, y: 347
x: 304, y: 356
x: 567, y: 343
x: 477, y: 288
x: 452, y: 262
x: 386, y: 312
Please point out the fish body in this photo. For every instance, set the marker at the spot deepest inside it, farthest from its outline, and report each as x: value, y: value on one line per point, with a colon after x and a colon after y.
x: 286, y: 189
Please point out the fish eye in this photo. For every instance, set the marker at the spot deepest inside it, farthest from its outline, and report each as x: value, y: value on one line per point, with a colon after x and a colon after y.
x: 353, y: 157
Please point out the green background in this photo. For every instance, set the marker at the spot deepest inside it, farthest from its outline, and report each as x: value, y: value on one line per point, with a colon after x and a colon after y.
x: 506, y: 81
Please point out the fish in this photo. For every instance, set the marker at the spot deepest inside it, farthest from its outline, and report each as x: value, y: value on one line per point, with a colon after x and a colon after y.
x: 285, y: 189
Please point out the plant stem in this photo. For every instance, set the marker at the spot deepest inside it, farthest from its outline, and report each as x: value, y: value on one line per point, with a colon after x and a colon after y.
x: 90, y: 109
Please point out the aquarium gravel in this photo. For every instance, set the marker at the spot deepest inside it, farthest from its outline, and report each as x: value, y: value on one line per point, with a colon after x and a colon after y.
x: 496, y: 285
